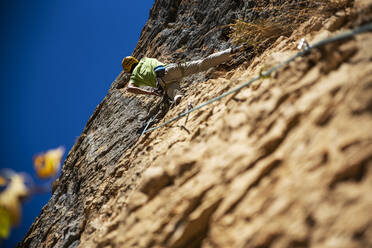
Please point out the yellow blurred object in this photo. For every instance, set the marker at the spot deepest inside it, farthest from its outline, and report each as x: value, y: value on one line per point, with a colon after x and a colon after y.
x: 10, y: 201
x: 2, y: 181
x: 5, y: 223
x: 48, y: 164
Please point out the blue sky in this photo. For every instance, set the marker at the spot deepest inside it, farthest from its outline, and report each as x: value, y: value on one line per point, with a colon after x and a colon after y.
x: 58, y: 60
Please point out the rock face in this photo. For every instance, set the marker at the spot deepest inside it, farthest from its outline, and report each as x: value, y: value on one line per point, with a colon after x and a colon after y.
x: 283, y: 163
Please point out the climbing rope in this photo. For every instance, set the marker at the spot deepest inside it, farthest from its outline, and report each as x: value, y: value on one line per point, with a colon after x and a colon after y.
x: 342, y: 36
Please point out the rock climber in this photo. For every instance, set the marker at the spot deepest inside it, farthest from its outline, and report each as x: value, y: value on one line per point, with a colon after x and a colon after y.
x: 164, y: 78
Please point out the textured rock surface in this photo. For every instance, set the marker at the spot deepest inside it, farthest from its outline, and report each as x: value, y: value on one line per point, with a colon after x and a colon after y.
x: 284, y: 163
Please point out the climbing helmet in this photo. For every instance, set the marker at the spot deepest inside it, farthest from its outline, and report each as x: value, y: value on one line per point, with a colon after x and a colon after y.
x: 128, y: 62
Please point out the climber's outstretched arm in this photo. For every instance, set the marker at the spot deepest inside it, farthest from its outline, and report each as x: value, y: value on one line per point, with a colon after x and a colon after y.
x: 137, y: 90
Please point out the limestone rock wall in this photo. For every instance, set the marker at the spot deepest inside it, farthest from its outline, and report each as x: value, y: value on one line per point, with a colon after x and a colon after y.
x: 283, y: 163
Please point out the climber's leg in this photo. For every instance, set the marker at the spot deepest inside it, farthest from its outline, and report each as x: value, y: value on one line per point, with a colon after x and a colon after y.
x: 175, y: 72
x: 204, y: 64
x: 174, y: 91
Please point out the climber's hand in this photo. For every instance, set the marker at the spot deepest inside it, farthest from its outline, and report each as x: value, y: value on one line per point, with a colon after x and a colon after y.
x: 156, y: 92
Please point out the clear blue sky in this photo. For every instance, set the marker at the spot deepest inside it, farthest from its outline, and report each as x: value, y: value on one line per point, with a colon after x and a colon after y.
x: 58, y: 60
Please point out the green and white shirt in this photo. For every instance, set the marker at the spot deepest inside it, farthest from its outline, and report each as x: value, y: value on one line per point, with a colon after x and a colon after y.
x: 144, y: 74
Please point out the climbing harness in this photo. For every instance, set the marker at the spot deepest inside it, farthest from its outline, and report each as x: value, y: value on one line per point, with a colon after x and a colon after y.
x: 305, y: 48
x: 159, y: 87
x: 159, y: 71
x: 160, y: 84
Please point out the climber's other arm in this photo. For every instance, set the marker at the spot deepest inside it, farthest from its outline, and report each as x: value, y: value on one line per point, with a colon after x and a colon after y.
x: 137, y: 90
